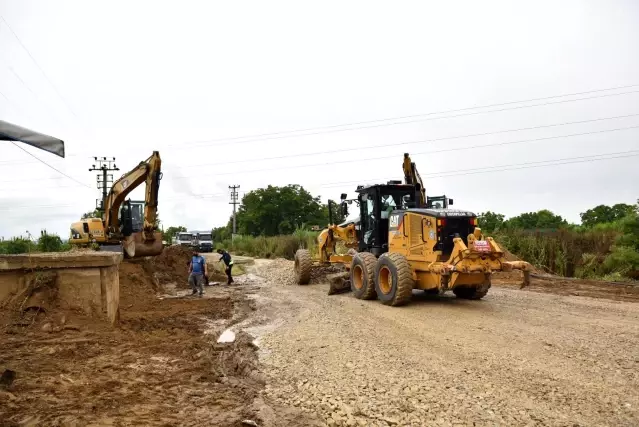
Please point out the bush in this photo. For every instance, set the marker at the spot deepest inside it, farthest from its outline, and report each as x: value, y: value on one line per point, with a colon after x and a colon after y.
x: 563, y: 252
x: 623, y: 260
x: 271, y: 247
x: 17, y: 245
x: 50, y: 243
x: 46, y: 243
x: 607, y: 250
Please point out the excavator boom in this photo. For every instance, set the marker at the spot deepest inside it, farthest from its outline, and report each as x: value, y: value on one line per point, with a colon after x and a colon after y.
x: 116, y: 231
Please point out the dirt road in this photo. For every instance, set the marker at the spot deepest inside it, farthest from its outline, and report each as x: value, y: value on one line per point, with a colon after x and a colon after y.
x: 516, y: 358
x: 302, y: 358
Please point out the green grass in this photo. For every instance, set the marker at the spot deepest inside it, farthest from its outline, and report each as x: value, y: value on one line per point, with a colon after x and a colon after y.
x: 218, y: 267
x: 584, y: 253
x: 271, y: 247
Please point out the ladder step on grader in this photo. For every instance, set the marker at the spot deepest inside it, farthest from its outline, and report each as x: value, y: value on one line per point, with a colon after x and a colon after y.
x: 403, y: 240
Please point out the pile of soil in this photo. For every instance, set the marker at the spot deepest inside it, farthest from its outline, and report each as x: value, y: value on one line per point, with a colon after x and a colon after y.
x: 171, y: 265
x: 157, y: 368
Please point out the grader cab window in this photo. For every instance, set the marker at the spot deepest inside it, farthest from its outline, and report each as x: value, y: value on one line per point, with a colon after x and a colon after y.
x: 377, y: 204
x: 388, y: 205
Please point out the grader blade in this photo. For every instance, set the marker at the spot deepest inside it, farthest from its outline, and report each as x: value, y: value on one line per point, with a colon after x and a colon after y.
x: 339, y: 283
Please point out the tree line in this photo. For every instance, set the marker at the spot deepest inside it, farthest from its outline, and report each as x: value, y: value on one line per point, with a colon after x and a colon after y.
x: 546, y: 220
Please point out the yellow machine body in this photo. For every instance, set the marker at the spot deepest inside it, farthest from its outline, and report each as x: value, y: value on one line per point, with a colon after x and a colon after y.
x: 129, y: 227
x: 405, y: 241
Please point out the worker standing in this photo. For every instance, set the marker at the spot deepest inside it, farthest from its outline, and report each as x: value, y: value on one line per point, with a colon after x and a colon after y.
x: 226, y: 257
x: 197, y: 270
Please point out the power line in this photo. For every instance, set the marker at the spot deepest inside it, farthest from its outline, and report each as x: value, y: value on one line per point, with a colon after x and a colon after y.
x: 415, y: 115
x: 224, y: 142
x: 66, y: 104
x: 196, y: 196
x: 343, y: 150
x: 501, y: 168
x: 422, y: 152
x: 48, y: 165
x: 10, y: 163
x: 415, y: 153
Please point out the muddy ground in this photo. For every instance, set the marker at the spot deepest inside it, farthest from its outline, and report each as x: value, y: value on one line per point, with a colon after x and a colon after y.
x: 161, y: 367
x: 559, y: 353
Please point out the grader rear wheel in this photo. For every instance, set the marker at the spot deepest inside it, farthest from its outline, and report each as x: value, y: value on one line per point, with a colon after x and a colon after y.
x: 303, y: 265
x: 394, y: 280
x: 363, y: 275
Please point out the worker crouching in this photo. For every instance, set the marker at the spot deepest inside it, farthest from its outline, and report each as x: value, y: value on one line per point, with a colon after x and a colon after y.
x: 226, y: 257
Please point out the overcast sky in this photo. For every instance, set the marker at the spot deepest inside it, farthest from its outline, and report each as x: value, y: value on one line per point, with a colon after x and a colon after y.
x: 125, y: 78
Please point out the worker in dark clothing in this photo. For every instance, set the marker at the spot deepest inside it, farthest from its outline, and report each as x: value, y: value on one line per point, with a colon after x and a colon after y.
x: 226, y: 257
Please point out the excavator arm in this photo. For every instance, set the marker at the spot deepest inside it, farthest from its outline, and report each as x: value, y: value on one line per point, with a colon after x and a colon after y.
x: 411, y: 177
x: 149, y: 241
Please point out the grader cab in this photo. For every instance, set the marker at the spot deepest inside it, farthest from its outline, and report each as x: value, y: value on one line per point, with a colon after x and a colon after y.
x: 403, y: 244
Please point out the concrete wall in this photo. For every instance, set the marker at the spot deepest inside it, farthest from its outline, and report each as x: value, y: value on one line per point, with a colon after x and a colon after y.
x: 88, y: 281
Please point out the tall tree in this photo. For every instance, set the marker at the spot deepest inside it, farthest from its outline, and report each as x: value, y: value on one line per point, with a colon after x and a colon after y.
x: 279, y: 210
x: 543, y: 219
x: 490, y: 221
x: 602, y: 214
x: 92, y: 214
x: 172, y: 231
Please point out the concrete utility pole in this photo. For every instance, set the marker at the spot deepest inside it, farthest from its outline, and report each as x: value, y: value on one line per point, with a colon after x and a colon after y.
x: 104, y: 165
x: 234, y: 202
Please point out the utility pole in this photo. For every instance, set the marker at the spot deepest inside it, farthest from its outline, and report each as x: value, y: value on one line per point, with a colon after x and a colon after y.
x: 103, y: 165
x: 234, y: 202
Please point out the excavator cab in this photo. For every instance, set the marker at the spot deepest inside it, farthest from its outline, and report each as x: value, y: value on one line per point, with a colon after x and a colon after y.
x: 131, y: 217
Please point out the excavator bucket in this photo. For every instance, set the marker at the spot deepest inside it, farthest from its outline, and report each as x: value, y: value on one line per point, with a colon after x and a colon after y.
x: 135, y: 246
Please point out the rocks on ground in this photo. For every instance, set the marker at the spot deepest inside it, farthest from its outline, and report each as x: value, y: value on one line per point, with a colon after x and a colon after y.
x: 514, y: 358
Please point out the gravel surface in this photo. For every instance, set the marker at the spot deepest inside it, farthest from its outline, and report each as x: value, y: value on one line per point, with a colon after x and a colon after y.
x: 516, y: 358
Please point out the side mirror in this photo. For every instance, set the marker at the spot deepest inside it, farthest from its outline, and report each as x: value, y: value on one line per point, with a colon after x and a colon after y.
x: 344, y: 207
x: 343, y: 196
x: 450, y: 202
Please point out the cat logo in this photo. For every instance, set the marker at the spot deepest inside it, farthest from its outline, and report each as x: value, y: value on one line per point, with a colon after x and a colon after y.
x: 394, y: 221
x: 125, y: 183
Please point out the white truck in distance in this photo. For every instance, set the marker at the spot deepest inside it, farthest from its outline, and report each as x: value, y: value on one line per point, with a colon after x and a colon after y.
x: 203, y: 240
x: 183, y: 239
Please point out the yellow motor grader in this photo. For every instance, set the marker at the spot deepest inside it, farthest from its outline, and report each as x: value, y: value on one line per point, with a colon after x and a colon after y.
x: 404, y: 240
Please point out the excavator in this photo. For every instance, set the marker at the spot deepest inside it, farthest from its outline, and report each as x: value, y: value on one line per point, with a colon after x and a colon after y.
x: 126, y: 226
x: 405, y: 240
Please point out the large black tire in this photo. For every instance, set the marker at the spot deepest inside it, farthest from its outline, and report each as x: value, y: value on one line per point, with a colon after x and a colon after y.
x: 394, y: 280
x: 303, y: 266
x: 473, y: 293
x: 363, y: 275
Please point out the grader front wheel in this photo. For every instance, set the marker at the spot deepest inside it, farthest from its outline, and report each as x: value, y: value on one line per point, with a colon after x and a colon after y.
x: 363, y: 275
x: 394, y: 279
x: 303, y: 265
